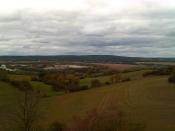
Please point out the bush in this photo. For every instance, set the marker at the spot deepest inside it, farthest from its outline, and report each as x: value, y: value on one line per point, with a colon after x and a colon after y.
x: 126, y: 79
x: 95, y: 83
x: 77, y: 88
x: 107, y: 83
x: 35, y: 78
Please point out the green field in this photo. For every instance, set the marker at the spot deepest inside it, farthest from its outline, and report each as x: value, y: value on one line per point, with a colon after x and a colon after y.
x: 37, y: 85
x: 149, y: 101
x: 103, y: 79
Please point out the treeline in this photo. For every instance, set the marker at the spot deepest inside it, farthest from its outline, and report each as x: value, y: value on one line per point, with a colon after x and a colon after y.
x: 159, y: 71
x: 169, y: 71
x: 67, y: 81
x: 61, y: 81
x: 85, y: 58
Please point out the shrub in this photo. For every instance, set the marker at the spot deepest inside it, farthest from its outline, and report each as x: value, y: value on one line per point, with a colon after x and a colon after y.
x: 95, y: 83
x: 35, y: 78
x: 126, y: 79
x: 107, y: 83
x: 77, y: 88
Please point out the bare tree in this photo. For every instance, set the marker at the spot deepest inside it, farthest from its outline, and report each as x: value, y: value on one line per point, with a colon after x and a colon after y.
x: 27, y: 109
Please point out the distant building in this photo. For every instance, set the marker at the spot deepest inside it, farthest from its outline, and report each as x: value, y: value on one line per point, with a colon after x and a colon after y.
x: 3, y: 67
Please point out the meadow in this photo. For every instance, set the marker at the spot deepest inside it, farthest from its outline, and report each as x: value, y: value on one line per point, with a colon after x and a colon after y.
x: 148, y: 101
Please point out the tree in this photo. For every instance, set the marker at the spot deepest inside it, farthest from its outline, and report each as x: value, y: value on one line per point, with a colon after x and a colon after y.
x: 27, y: 111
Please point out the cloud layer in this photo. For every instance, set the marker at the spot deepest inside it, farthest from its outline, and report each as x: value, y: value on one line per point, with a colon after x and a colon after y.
x: 143, y: 28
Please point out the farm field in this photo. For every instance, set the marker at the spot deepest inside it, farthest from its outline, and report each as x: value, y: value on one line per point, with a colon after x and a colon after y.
x: 149, y: 101
x: 118, y: 67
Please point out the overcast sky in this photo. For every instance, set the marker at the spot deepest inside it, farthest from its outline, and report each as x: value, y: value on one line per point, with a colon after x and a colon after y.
x: 143, y: 28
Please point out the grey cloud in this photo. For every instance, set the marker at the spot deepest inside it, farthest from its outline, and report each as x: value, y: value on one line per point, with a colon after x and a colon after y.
x: 146, y: 33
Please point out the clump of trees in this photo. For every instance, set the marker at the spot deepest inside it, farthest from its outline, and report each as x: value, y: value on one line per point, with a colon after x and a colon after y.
x: 63, y: 82
x: 160, y: 71
x: 95, y: 83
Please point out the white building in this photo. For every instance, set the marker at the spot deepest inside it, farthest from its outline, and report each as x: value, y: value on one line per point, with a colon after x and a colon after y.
x: 3, y: 67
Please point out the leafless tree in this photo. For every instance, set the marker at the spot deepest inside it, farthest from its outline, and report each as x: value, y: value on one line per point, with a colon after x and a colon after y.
x: 27, y: 110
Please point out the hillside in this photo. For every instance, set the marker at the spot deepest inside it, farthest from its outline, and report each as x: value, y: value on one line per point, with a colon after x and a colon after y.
x: 149, y: 102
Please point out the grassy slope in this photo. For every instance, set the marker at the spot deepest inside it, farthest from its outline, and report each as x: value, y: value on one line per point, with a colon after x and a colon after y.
x: 44, y: 88
x: 8, y: 96
x: 149, y: 101
x: 20, y: 77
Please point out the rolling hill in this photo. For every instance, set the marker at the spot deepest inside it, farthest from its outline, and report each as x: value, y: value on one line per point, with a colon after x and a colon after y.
x: 84, y: 58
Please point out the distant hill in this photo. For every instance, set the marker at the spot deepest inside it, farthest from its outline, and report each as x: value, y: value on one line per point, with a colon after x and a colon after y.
x: 84, y: 58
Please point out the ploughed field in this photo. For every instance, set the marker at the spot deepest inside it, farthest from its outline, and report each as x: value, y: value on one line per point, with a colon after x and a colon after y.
x: 148, y: 101
x: 118, y: 67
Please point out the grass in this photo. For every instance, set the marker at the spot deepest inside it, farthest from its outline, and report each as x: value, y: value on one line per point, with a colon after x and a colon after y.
x: 20, y: 77
x: 8, y: 95
x: 44, y: 89
x: 87, y: 81
x: 149, y: 101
